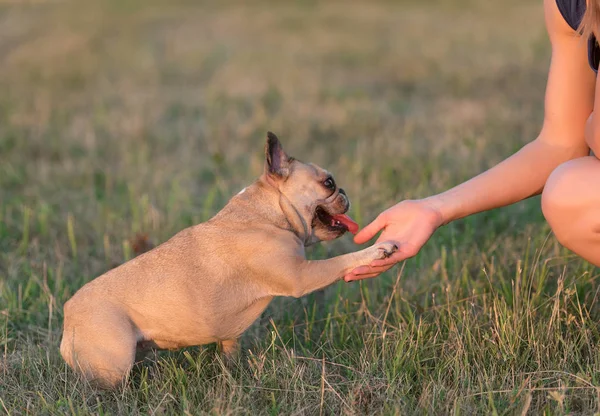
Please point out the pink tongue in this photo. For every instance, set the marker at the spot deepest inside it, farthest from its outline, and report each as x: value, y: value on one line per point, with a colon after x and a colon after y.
x: 347, y: 221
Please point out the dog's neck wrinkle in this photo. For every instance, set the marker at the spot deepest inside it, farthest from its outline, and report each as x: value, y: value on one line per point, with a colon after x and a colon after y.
x: 295, y: 220
x: 291, y: 218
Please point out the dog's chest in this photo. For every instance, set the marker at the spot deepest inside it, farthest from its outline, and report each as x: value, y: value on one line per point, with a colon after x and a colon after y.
x: 232, y: 325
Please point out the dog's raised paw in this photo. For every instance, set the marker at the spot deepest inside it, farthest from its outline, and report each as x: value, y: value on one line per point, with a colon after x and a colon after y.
x: 386, y: 249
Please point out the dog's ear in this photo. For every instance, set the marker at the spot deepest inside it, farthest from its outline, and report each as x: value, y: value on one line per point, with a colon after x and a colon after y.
x: 277, y: 163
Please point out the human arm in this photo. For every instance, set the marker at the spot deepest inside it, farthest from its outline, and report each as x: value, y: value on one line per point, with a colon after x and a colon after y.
x: 569, y: 101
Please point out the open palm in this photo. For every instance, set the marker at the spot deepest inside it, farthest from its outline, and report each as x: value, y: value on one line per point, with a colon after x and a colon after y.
x: 409, y: 224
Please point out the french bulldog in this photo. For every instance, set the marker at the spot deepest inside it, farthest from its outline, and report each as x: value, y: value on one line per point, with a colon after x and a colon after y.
x: 211, y: 281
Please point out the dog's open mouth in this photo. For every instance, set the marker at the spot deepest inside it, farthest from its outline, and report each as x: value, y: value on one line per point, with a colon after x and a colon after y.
x: 337, y: 222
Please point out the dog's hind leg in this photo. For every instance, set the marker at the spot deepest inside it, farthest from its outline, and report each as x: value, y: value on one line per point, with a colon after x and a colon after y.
x: 101, y: 348
x: 229, y: 347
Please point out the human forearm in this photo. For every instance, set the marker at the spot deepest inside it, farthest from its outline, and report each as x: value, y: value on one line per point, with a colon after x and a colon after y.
x: 569, y: 100
x: 519, y: 177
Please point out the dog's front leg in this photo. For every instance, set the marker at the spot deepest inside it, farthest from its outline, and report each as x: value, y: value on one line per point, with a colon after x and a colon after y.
x: 311, y: 275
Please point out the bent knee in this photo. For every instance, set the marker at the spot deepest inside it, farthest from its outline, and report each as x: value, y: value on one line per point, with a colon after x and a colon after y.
x: 566, y: 199
x: 556, y: 195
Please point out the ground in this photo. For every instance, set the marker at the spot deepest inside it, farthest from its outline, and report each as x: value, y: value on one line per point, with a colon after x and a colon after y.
x: 126, y: 117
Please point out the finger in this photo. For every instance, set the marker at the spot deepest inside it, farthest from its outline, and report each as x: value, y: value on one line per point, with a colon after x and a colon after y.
x: 370, y: 230
x: 368, y: 269
x: 371, y: 274
x: 362, y: 270
x: 352, y: 278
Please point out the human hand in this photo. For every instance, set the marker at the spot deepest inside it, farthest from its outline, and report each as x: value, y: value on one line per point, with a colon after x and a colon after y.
x: 409, y: 224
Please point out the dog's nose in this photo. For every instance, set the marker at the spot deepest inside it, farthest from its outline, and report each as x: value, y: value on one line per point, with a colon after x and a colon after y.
x: 342, y: 192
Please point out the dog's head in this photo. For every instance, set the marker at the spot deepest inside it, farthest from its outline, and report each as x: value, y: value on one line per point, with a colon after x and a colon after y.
x: 309, y: 196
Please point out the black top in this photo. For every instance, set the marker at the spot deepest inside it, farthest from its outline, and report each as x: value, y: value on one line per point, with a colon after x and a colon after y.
x: 572, y: 11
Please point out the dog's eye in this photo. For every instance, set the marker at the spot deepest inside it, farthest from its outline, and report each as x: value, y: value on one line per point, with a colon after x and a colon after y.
x: 329, y: 183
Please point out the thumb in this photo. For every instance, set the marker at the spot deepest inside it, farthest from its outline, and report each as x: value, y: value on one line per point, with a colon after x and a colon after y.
x: 370, y: 230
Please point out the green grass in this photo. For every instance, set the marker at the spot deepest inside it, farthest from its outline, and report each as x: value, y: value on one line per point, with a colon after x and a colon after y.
x: 127, y: 117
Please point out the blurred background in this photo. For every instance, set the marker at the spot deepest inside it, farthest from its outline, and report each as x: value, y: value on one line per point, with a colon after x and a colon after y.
x: 145, y: 116
x: 123, y: 121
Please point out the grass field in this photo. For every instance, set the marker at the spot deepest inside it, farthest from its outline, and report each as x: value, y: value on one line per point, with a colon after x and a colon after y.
x: 122, y: 117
